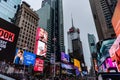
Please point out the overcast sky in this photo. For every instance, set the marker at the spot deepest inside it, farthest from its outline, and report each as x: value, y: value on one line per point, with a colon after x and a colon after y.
x: 82, y: 18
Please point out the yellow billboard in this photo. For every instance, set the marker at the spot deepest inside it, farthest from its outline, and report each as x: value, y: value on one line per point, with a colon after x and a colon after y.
x: 77, y: 64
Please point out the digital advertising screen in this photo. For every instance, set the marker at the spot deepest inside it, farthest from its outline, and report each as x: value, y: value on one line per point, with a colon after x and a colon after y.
x: 109, y: 63
x: 41, y: 35
x: 64, y: 57
x: 8, y: 40
x: 41, y: 42
x: 104, y: 50
x: 102, y: 68
x: 115, y: 52
x: 77, y: 71
x: 39, y: 65
x: 77, y: 64
x: 24, y: 57
x: 41, y: 49
x: 116, y: 19
x: 66, y: 66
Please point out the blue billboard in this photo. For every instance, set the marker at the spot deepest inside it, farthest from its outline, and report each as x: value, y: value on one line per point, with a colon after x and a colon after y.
x: 24, y: 57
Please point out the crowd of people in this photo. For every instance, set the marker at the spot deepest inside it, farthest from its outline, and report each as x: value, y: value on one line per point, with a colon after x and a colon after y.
x: 19, y: 73
x: 10, y: 70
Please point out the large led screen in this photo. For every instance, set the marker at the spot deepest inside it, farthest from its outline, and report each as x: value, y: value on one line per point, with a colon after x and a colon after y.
x: 116, y: 19
x: 41, y: 49
x: 104, y: 50
x: 64, y: 57
x: 115, y: 52
x: 41, y: 42
x: 8, y: 39
x: 66, y: 66
x: 41, y: 35
x: 77, y: 64
x: 39, y: 65
x: 24, y: 57
x: 109, y: 63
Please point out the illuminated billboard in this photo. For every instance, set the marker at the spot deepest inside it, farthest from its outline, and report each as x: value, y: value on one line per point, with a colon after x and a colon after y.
x: 39, y: 65
x: 116, y: 19
x: 41, y: 35
x: 77, y: 64
x: 41, y: 49
x: 8, y: 39
x: 24, y: 57
x: 41, y: 42
x: 66, y: 66
x: 115, y: 52
x: 109, y: 63
x: 64, y: 57
x: 103, y: 51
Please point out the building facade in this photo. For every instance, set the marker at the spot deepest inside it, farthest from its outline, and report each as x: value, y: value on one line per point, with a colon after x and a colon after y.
x: 102, y: 13
x: 46, y: 22
x: 27, y: 20
x: 93, y: 51
x: 51, y: 19
x: 8, y: 9
x: 75, y: 46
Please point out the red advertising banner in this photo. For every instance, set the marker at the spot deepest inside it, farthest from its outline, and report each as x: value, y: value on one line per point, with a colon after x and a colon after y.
x: 39, y: 64
x: 41, y: 35
x: 6, y: 35
x: 116, y: 19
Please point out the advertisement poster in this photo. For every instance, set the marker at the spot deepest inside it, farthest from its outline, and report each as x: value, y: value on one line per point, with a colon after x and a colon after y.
x: 64, y: 57
x: 41, y: 42
x: 24, y: 57
x: 66, y: 66
x: 41, y: 35
x: 77, y: 64
x: 116, y: 19
x: 41, y: 49
x: 115, y: 52
x: 39, y: 64
x: 8, y: 40
x: 109, y: 63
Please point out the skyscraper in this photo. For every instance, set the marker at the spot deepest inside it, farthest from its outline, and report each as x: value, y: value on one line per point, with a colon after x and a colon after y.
x: 46, y: 22
x: 102, y: 12
x: 53, y: 23
x: 75, y: 46
x: 8, y: 9
x: 93, y: 51
x: 58, y: 32
x: 27, y: 20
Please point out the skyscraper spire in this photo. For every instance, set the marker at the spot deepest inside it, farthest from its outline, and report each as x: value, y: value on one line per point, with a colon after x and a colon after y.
x: 72, y: 20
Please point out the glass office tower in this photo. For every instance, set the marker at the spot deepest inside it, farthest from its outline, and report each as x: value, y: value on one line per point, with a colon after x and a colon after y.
x: 51, y: 19
x: 8, y: 9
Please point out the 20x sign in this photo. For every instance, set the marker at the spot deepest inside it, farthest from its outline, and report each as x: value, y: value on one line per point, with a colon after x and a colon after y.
x: 6, y: 35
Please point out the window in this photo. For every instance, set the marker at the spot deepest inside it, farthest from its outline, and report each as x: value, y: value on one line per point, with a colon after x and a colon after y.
x: 15, y: 6
x: 5, y: 0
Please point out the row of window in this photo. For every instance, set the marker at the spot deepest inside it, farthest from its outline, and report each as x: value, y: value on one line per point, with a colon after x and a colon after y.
x: 30, y: 18
x: 21, y: 43
x: 28, y: 25
x: 27, y: 37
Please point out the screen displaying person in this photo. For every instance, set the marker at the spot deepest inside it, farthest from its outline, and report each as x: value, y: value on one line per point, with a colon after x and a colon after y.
x: 42, y: 49
x: 43, y: 35
x: 19, y: 57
